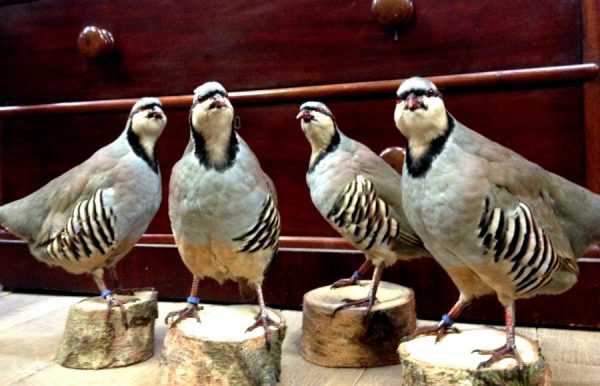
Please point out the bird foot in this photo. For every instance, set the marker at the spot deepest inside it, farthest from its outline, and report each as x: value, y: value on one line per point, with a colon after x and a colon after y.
x: 440, y: 331
x: 263, y: 319
x: 349, y: 303
x: 190, y: 311
x: 506, y: 351
x: 112, y: 302
x: 346, y: 282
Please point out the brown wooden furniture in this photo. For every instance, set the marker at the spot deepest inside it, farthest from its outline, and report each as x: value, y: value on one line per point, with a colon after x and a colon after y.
x: 524, y: 73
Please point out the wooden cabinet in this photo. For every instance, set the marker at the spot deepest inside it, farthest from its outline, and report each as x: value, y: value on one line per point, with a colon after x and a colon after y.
x: 524, y: 73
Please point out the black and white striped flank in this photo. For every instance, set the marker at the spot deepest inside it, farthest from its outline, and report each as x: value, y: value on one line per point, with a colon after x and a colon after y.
x: 89, y: 231
x: 362, y: 216
x: 265, y: 233
x: 516, y: 240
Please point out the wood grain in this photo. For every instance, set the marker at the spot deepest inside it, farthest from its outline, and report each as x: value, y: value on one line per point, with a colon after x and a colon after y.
x: 162, y: 48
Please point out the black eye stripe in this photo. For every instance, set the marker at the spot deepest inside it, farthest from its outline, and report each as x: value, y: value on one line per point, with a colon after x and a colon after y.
x: 418, y: 93
x: 211, y: 94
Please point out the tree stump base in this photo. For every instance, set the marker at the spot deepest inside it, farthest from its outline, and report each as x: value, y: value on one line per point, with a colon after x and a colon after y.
x: 90, y: 341
x: 350, y: 338
x: 219, y: 351
x: 451, y: 361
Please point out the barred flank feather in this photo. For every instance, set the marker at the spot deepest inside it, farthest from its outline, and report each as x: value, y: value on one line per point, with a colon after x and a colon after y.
x: 362, y: 215
x: 89, y: 231
x: 265, y: 233
x: 521, y: 244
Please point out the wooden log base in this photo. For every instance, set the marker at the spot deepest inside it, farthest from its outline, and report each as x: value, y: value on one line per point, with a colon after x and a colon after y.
x: 219, y: 351
x: 350, y: 338
x: 451, y: 361
x: 92, y: 342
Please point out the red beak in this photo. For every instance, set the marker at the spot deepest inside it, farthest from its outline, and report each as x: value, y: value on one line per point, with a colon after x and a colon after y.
x: 217, y: 103
x: 304, y: 114
x: 412, y: 103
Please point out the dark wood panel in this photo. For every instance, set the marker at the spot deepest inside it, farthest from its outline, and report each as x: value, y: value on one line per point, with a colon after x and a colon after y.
x: 542, y: 124
x: 162, y: 46
x: 294, y: 273
x: 591, y: 52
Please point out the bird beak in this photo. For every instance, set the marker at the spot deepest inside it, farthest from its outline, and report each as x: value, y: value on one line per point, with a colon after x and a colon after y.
x: 305, y: 115
x: 412, y: 103
x: 217, y: 103
x: 155, y: 113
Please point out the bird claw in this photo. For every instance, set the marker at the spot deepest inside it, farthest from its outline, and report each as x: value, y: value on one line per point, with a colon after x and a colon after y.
x: 506, y: 351
x: 349, y: 303
x: 263, y: 319
x: 190, y: 311
x: 440, y: 331
x: 112, y: 302
x: 344, y: 283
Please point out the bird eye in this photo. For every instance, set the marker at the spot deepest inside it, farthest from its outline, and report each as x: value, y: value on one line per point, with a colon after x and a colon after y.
x: 430, y: 92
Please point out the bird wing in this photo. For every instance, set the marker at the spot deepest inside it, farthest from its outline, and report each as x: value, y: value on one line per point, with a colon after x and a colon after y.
x: 518, y: 223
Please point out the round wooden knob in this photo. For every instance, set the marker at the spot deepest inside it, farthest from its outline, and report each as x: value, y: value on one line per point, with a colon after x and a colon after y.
x: 394, y: 156
x: 94, y: 42
x: 392, y: 14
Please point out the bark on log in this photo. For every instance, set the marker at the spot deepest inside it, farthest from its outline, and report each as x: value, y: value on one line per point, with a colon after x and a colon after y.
x: 451, y: 361
x: 90, y: 341
x: 350, y: 338
x: 219, y: 351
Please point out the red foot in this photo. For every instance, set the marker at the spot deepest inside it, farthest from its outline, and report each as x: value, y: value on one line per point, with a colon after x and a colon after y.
x: 190, y: 311
x: 345, y: 282
x: 349, y: 303
x: 263, y: 319
x: 112, y: 302
x: 440, y: 331
x: 506, y: 351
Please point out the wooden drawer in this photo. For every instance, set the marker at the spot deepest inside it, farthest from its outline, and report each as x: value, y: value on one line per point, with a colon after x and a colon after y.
x: 167, y: 48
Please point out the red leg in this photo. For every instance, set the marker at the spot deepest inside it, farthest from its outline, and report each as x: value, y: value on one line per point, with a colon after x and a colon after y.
x: 509, y: 349
x: 107, y: 294
x: 356, y: 276
x: 263, y: 319
x: 445, y: 324
x: 369, y: 301
x: 190, y: 311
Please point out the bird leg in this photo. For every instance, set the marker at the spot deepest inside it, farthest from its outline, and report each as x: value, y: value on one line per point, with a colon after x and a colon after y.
x: 190, y: 311
x: 445, y: 324
x: 263, y: 319
x: 369, y: 301
x: 107, y: 294
x: 509, y: 349
x: 356, y: 276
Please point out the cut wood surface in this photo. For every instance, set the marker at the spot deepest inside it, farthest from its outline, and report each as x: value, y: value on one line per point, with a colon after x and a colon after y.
x: 350, y: 337
x: 218, y: 349
x: 452, y: 361
x: 93, y: 341
x: 31, y: 327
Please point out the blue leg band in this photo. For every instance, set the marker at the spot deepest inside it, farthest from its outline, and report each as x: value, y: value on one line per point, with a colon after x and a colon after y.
x: 356, y: 275
x: 447, y: 321
x: 193, y: 300
x: 105, y: 293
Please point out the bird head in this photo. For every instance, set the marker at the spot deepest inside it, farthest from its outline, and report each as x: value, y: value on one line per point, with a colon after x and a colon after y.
x: 211, y: 107
x: 147, y: 119
x: 420, y: 113
x: 318, y: 124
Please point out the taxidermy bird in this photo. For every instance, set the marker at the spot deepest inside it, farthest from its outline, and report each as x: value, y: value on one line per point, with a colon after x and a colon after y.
x: 222, y: 206
x: 87, y: 219
x: 360, y: 196
x: 494, y: 221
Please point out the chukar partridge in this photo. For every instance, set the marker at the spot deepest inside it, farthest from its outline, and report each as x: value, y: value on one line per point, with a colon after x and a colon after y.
x: 494, y: 221
x: 359, y: 194
x: 222, y: 206
x: 91, y: 216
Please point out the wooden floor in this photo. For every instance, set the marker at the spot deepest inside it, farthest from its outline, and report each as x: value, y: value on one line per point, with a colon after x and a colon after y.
x: 31, y: 327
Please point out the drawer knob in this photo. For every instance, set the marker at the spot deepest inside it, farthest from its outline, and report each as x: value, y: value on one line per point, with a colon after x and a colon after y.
x: 95, y: 42
x: 392, y: 14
